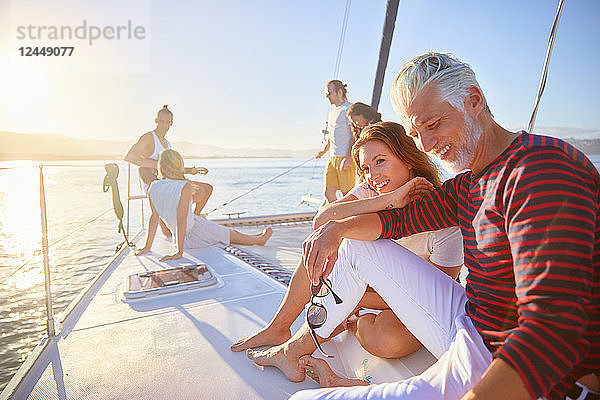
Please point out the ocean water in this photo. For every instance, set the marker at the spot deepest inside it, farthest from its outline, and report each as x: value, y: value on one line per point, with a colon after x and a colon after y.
x: 74, y: 197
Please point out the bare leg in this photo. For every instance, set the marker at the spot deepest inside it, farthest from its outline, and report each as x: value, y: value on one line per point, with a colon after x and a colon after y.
x: 321, y: 372
x: 286, y: 356
x: 200, y: 194
x: 383, y: 335
x: 236, y: 237
x: 164, y: 228
x: 278, y: 330
x: 331, y: 194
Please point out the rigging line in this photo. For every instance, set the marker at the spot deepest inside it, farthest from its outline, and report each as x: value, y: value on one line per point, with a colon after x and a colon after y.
x: 80, y: 227
x: 258, y: 186
x: 38, y: 252
x: 544, y: 77
x: 308, y: 190
x: 340, y: 50
x: 312, y: 177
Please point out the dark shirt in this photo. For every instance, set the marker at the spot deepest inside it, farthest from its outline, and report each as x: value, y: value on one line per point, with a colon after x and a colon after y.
x: 531, y: 227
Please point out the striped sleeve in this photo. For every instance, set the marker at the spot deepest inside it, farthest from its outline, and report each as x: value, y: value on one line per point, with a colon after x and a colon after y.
x: 550, y: 211
x: 437, y: 210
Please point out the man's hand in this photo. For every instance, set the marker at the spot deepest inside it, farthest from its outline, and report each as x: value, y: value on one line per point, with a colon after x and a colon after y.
x: 320, y: 154
x: 410, y: 191
x: 346, y: 163
x: 198, y: 170
x: 319, y: 251
x: 171, y: 257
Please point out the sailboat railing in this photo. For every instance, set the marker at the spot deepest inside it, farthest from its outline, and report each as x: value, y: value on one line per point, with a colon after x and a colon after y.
x: 45, y: 246
x: 134, y: 197
x: 44, y: 223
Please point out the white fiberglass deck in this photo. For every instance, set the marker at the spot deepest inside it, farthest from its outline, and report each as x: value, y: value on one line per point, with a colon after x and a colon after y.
x: 177, y: 345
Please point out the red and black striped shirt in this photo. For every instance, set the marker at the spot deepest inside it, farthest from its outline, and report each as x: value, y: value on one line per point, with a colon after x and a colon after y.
x: 531, y: 227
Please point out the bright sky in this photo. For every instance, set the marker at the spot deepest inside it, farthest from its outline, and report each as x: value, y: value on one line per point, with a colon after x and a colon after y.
x: 252, y: 73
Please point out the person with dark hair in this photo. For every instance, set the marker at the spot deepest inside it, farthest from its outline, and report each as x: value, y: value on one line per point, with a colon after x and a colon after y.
x: 392, y: 171
x: 144, y: 153
x: 527, y: 324
x: 339, y: 172
x: 361, y: 115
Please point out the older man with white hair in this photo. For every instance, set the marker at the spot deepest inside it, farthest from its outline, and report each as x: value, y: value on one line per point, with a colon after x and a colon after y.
x: 527, y: 325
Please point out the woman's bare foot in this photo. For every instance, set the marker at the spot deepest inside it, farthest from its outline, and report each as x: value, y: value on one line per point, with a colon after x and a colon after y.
x: 319, y: 371
x: 264, y: 236
x: 265, y: 337
x: 277, y: 356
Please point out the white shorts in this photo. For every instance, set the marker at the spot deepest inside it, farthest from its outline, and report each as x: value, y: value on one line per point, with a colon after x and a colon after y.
x: 205, y: 233
x: 429, y: 303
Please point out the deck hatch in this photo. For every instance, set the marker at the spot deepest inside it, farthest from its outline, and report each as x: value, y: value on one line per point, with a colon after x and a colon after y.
x: 170, y: 280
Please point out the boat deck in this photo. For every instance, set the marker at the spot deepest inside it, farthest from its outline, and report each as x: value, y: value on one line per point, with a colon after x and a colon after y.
x: 285, y: 246
x: 177, y: 345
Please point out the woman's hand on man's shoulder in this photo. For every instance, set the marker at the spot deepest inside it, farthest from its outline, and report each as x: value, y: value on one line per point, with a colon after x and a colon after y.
x: 409, y: 192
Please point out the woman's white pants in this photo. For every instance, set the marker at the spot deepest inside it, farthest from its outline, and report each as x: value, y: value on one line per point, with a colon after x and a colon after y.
x: 429, y: 303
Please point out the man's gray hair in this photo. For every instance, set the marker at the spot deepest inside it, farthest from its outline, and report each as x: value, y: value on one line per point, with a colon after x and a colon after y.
x: 452, y: 76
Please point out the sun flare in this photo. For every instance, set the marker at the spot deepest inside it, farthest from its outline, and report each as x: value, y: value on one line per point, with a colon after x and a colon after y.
x: 27, y: 99
x: 19, y: 222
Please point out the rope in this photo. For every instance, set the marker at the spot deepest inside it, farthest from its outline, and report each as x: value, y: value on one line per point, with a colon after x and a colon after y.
x: 336, y: 71
x: 38, y: 252
x: 258, y: 186
x: 81, y: 227
x: 546, y: 64
x: 308, y: 189
x: 314, y: 169
x: 338, y: 60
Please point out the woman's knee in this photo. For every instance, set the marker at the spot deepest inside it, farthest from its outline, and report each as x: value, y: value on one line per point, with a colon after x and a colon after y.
x: 330, y: 193
x: 385, y: 336
x: 202, y: 188
x: 206, y: 189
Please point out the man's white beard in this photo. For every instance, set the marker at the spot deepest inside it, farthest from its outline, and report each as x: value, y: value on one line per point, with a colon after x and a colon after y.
x: 465, y: 151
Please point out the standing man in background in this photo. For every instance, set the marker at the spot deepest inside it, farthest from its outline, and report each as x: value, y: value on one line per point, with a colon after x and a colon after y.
x: 527, y: 324
x: 340, y: 171
x: 144, y: 153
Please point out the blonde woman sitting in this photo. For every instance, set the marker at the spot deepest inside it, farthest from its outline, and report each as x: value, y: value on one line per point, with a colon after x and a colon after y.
x: 171, y: 199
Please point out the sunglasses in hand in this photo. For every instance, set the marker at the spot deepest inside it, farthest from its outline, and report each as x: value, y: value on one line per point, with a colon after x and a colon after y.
x: 316, y: 315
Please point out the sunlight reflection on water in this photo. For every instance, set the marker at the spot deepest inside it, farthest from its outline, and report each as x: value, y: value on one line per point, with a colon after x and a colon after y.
x: 19, y: 213
x: 73, y: 197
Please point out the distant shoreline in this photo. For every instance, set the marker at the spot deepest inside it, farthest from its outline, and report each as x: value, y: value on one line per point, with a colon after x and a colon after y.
x: 50, y: 158
x: 35, y: 147
x: 119, y: 157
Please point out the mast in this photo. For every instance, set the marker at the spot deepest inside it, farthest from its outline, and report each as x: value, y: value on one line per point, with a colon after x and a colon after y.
x: 384, y: 51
